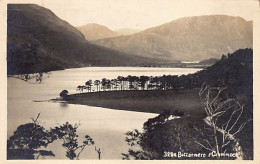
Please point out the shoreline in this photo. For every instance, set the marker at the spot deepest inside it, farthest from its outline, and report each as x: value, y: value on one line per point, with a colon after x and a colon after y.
x: 184, y: 67
x: 149, y: 101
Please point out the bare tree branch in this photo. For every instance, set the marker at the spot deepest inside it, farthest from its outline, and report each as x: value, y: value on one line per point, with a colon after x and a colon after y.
x: 216, y: 107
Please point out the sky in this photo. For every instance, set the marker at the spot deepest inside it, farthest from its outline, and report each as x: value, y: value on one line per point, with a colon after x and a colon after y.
x: 143, y: 14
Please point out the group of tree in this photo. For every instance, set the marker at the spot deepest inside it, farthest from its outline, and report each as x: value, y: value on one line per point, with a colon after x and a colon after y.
x: 33, y: 78
x: 132, y: 83
x: 227, y: 97
x: 28, y: 140
x: 219, y: 135
x: 26, y: 58
x: 233, y: 71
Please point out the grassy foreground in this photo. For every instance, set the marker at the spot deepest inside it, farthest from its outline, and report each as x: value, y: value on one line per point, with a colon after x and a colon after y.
x: 150, y: 101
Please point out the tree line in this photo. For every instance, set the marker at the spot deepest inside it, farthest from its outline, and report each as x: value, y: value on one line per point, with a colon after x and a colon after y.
x: 29, y: 139
x: 132, y: 83
x: 227, y: 98
x: 232, y: 70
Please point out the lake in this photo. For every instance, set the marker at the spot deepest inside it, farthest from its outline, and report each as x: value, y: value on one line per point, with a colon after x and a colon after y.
x: 105, y: 126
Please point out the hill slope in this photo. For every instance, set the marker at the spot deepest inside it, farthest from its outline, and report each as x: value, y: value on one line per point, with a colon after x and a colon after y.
x: 37, y: 41
x: 126, y: 31
x: 190, y: 38
x: 95, y: 31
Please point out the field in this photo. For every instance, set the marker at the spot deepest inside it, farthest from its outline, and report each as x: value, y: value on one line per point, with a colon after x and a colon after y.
x: 150, y: 101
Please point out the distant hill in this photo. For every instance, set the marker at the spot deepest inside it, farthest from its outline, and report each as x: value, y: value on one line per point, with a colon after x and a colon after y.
x: 234, y: 71
x: 95, y: 31
x: 37, y: 41
x: 191, y: 38
x: 210, y: 61
x: 126, y: 31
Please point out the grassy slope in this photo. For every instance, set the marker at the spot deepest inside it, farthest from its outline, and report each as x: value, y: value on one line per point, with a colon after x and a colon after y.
x: 152, y: 101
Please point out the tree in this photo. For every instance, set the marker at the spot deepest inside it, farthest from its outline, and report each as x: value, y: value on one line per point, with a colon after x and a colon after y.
x: 120, y: 79
x: 27, y: 141
x: 113, y: 83
x: 131, y: 80
x: 143, y: 81
x: 30, y: 138
x: 116, y: 84
x: 108, y: 84
x: 88, y: 85
x: 99, y: 152
x: 80, y: 88
x: 224, y: 116
x: 39, y: 78
x: 97, y: 83
x: 125, y: 83
x: 161, y: 134
x: 104, y: 84
x: 64, y: 93
x: 68, y: 134
x: 142, y: 145
x: 223, y: 57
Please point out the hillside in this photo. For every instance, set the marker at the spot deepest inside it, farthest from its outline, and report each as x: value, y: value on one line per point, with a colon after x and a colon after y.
x: 39, y: 41
x: 190, y: 38
x: 210, y: 61
x: 126, y: 31
x: 95, y: 31
x: 179, y: 95
x: 235, y: 71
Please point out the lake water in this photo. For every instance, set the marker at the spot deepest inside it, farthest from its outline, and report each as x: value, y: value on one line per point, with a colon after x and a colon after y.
x: 105, y: 126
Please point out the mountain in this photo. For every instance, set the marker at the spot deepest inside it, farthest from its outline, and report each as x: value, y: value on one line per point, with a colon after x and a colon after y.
x: 210, y: 61
x: 189, y: 38
x: 95, y: 31
x: 232, y: 70
x: 39, y: 41
x: 126, y: 31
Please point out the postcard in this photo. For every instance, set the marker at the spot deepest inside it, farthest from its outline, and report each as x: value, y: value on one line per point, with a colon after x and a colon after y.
x: 116, y: 80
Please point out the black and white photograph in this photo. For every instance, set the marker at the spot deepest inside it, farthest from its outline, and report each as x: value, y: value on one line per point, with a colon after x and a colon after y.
x: 129, y: 80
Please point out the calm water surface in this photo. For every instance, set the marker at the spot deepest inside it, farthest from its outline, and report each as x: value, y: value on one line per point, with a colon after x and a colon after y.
x: 105, y: 126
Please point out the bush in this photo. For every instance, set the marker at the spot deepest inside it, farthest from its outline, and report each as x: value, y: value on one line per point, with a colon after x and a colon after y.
x: 64, y: 93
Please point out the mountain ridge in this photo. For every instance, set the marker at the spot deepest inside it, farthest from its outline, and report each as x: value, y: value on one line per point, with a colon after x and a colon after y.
x: 93, y: 31
x: 126, y: 31
x: 188, y: 38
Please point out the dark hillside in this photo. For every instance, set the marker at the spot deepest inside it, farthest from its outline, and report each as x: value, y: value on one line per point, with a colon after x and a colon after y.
x: 234, y: 71
x: 39, y: 41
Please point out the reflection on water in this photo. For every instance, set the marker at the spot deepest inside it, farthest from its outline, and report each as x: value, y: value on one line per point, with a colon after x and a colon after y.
x: 105, y: 126
x: 64, y: 105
